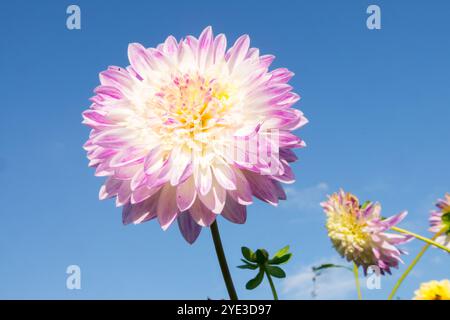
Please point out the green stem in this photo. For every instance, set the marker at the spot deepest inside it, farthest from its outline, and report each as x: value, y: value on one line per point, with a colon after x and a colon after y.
x: 272, y: 287
x: 223, y: 261
x: 411, y: 266
x: 358, y: 286
x: 424, y: 239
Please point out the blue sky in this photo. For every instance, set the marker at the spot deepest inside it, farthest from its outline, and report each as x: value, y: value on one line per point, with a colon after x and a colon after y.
x: 378, y: 102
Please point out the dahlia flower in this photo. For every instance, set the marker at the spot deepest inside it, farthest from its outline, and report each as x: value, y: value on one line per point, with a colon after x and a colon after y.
x: 433, y: 290
x: 440, y: 221
x: 191, y: 130
x: 359, y: 234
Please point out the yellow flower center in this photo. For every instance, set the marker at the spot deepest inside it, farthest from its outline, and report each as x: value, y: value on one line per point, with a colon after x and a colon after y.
x: 347, y: 232
x: 193, y: 110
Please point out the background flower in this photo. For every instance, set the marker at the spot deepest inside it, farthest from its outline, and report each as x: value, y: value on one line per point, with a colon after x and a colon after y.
x: 433, y: 290
x: 358, y: 232
x: 440, y: 220
x: 191, y: 130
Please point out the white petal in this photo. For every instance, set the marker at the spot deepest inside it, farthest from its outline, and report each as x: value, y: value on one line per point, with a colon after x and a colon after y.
x: 186, y: 194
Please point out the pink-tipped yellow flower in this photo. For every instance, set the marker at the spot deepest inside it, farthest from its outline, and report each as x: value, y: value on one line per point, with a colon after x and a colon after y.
x: 359, y: 234
x: 440, y: 221
x: 433, y: 290
x: 192, y: 130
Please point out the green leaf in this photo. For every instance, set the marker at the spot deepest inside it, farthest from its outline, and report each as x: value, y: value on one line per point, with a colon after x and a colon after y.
x: 365, y: 204
x: 281, y: 252
x: 248, y: 254
x: 277, y: 272
x: 261, y: 256
x: 330, y: 265
x: 256, y: 281
x: 248, y: 265
x: 281, y: 260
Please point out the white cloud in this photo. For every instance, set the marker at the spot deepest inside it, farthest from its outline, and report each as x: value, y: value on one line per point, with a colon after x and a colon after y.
x: 307, y: 199
x: 336, y: 283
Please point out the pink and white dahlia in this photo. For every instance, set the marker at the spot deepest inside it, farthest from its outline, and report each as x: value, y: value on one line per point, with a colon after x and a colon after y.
x: 191, y: 130
x: 358, y: 232
x: 440, y: 221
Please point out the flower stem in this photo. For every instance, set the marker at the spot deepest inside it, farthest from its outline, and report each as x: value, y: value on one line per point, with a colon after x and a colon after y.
x: 429, y: 241
x: 272, y: 287
x: 411, y: 266
x: 358, y: 286
x: 223, y: 261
